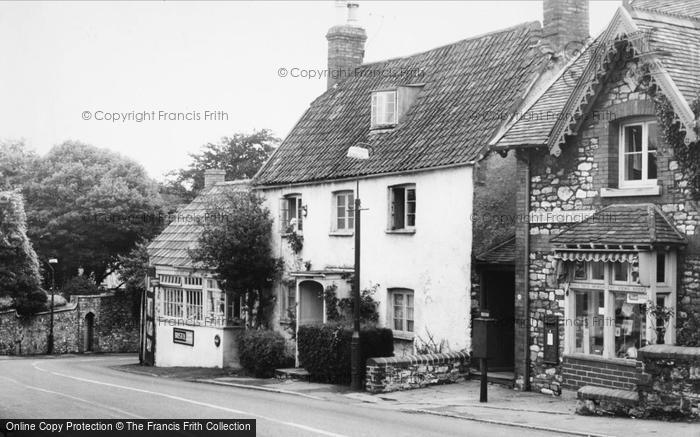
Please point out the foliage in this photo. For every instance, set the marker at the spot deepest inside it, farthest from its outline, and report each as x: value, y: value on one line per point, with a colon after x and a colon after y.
x: 86, y: 206
x: 294, y: 239
x: 429, y: 345
x: 19, y: 265
x: 133, y: 267
x: 341, y: 310
x: 237, y: 246
x: 241, y: 155
x: 15, y: 164
x: 263, y: 351
x: 687, y: 155
x: 324, y: 350
x: 78, y: 285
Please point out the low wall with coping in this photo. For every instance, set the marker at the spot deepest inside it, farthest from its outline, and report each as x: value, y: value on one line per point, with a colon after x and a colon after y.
x: 415, y: 371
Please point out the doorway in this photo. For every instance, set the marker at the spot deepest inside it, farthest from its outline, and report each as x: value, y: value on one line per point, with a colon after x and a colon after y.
x: 498, y: 294
x: 89, y: 332
x: 310, y: 302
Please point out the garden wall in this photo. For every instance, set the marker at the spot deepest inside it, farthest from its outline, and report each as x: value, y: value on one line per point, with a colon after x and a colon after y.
x: 415, y: 371
x: 115, y: 327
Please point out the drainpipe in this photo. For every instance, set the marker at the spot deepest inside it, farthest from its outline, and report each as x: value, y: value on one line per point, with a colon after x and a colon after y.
x: 524, y: 157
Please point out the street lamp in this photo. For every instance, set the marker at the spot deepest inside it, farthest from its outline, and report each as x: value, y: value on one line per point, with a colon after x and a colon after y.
x: 361, y: 152
x: 52, y: 261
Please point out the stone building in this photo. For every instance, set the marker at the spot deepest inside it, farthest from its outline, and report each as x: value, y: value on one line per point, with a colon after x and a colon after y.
x: 609, y: 258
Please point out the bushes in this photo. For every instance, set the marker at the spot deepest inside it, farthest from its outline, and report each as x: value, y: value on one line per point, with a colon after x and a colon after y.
x: 324, y: 350
x: 262, y: 351
x: 80, y: 285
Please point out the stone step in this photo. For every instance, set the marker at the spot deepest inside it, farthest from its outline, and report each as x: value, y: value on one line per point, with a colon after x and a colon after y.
x: 505, y: 379
x: 293, y: 373
x: 600, y: 401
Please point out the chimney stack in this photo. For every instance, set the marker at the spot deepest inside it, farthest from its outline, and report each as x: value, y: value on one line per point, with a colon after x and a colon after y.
x: 346, y: 46
x: 213, y: 176
x: 566, y: 22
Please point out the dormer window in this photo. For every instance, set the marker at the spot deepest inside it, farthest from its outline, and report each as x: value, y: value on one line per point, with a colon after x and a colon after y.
x: 384, y: 109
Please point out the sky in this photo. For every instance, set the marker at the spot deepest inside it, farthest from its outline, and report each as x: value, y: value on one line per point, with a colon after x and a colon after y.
x: 66, y: 68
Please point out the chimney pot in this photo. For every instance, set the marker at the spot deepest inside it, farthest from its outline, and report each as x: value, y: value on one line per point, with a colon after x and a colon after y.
x: 213, y: 176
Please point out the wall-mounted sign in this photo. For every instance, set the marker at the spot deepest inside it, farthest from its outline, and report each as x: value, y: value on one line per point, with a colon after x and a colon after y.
x: 572, y: 216
x: 626, y: 288
x: 183, y: 336
x: 217, y: 340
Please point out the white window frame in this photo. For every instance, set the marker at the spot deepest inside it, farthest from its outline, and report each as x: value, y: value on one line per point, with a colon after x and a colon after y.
x: 172, y: 302
x: 392, y: 210
x: 193, y: 304
x: 287, y: 219
x: 381, y: 102
x: 348, y: 205
x: 405, y: 292
x: 645, y: 181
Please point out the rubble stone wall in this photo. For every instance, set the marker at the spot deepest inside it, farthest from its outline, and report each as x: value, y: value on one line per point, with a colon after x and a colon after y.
x: 386, y: 375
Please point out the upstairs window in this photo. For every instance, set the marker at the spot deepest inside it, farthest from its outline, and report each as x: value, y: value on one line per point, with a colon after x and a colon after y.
x: 402, y: 212
x: 638, y: 149
x: 291, y: 213
x: 343, y: 210
x: 384, y: 113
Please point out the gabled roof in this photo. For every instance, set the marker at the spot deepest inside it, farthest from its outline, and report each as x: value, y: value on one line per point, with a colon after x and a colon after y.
x: 671, y: 43
x: 170, y: 248
x: 683, y: 8
x: 466, y: 89
x: 502, y: 253
x: 627, y: 225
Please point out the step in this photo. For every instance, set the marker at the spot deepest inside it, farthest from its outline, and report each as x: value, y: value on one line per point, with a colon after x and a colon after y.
x: 603, y: 401
x: 293, y: 373
x: 505, y: 379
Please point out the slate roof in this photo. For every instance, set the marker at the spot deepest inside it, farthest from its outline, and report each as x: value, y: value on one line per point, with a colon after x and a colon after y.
x: 640, y: 224
x: 501, y: 253
x: 170, y: 248
x: 674, y: 40
x: 685, y: 8
x: 467, y: 86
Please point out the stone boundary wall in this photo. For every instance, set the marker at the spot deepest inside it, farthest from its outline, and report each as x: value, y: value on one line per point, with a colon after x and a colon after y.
x: 386, y: 375
x: 670, y: 384
x: 115, y: 326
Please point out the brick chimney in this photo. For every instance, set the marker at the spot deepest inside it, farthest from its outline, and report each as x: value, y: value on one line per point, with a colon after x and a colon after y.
x: 566, y: 22
x: 213, y: 176
x: 346, y: 46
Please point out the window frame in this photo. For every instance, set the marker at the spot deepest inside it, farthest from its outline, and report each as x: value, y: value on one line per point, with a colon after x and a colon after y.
x: 405, y: 292
x: 645, y: 181
x: 386, y: 97
x: 392, y: 223
x: 349, y: 210
x: 285, y: 216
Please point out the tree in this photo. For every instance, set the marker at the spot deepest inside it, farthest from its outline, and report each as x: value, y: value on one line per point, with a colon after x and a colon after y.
x: 15, y: 164
x: 237, y: 246
x: 19, y: 265
x: 241, y: 156
x: 133, y: 267
x: 86, y: 206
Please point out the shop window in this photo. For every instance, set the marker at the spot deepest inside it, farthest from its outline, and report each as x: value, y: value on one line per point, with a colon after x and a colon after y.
x: 589, y: 322
x: 594, y: 271
x: 630, y: 326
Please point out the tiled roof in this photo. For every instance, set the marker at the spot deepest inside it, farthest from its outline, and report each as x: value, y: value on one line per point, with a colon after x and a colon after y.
x: 640, y: 224
x: 170, y: 248
x: 466, y: 88
x: 685, y: 8
x: 501, y: 253
x: 674, y: 41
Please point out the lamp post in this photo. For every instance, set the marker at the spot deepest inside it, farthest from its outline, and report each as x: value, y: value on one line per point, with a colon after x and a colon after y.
x: 52, y: 261
x: 356, y: 152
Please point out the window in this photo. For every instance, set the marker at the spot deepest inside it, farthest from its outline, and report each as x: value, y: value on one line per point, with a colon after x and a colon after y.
x: 383, y: 108
x: 291, y: 213
x: 401, y: 317
x: 638, y: 149
x: 170, y: 279
x: 660, y: 268
x: 630, y: 327
x: 193, y: 304
x: 589, y: 319
x: 172, y: 302
x: 593, y: 271
x: 403, y: 207
x: 344, y: 212
x: 217, y: 304
x: 233, y: 309
x: 289, y: 301
x: 193, y: 280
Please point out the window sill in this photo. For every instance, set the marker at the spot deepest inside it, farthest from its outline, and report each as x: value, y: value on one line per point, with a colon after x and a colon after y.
x: 401, y: 231
x: 341, y: 233
x: 403, y: 335
x: 652, y: 190
x: 600, y: 359
x: 288, y: 234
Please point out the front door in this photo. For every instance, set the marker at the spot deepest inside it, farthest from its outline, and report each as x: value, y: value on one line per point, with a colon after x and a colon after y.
x: 310, y: 303
x: 499, y: 287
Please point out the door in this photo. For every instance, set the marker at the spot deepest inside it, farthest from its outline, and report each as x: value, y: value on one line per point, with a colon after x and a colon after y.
x: 500, y: 301
x: 89, y: 332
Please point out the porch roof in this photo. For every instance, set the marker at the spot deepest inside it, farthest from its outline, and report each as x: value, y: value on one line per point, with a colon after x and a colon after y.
x: 502, y: 253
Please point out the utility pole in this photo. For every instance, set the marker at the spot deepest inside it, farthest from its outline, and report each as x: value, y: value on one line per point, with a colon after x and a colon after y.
x: 52, y: 261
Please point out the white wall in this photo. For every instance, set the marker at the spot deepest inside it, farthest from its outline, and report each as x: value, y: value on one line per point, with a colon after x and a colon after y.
x: 435, y: 261
x: 203, y: 354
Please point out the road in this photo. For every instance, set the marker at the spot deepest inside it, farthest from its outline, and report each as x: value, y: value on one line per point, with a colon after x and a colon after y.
x: 88, y: 387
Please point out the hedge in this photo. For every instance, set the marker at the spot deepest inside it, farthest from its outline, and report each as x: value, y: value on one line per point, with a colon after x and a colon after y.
x: 324, y: 350
x: 263, y: 351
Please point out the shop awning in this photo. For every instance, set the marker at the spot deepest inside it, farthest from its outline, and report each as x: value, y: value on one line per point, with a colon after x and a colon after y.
x: 597, y: 256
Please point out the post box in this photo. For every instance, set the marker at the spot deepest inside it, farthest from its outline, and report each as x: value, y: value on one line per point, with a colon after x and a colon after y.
x: 551, y: 339
x: 484, y: 338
